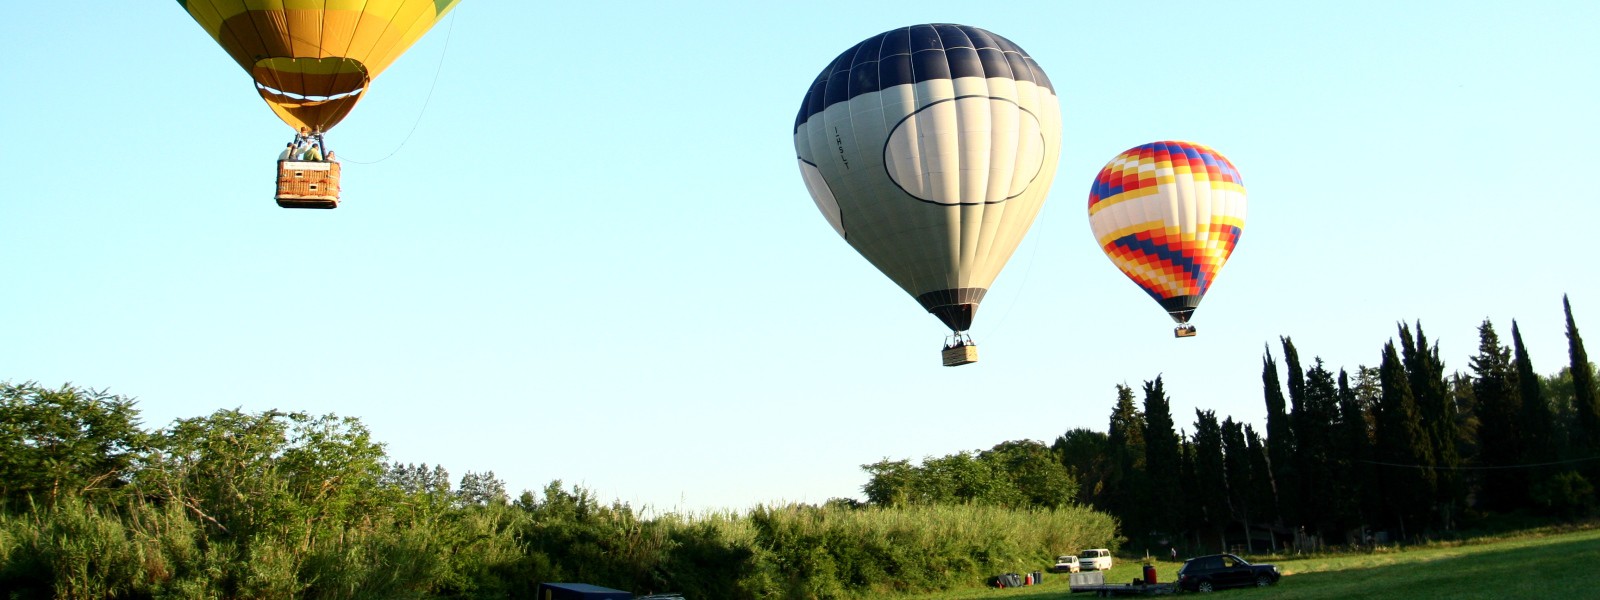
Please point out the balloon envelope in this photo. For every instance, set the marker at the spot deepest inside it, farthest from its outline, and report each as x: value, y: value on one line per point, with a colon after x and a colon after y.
x: 313, y: 59
x: 930, y: 149
x: 1168, y: 214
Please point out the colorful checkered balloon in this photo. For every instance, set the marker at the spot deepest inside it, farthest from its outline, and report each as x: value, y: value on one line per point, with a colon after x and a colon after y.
x: 1168, y: 214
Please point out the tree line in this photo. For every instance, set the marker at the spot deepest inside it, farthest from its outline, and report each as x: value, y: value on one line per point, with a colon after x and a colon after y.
x: 1403, y: 450
x: 291, y: 505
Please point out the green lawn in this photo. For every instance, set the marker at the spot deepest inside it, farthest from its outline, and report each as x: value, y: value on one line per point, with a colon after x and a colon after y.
x: 1534, y: 565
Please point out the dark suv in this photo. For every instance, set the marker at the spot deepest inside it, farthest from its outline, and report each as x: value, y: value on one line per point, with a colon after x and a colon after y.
x: 1217, y: 571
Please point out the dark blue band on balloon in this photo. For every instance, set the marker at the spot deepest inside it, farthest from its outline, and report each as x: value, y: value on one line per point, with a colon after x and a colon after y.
x: 915, y: 54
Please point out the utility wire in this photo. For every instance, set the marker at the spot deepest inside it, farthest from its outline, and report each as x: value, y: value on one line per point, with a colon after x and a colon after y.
x: 1481, y: 468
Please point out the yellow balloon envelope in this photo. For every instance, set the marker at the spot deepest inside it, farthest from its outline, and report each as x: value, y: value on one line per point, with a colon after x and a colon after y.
x: 312, y: 60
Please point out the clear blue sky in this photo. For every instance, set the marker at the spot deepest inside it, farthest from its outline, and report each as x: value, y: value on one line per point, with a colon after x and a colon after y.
x: 595, y: 260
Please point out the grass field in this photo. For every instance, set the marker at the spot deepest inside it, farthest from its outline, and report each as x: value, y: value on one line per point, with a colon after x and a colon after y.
x: 1528, y: 565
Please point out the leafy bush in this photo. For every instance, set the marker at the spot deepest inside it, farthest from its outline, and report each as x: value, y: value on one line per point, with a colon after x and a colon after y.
x: 289, y: 505
x: 1567, y: 495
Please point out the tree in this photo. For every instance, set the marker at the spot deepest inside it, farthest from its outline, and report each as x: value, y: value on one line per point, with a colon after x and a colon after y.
x: 283, y: 475
x: 1315, y: 451
x: 1425, y: 372
x: 1085, y: 454
x: 1536, y: 423
x: 1237, y: 467
x: 1127, y: 428
x: 1211, y: 475
x: 1292, y: 489
x: 1280, y: 443
x: 65, y: 441
x: 1355, y: 487
x: 1585, y: 396
x: 1039, y: 478
x: 1499, y: 410
x: 1467, y: 422
x: 1163, y: 458
x: 1297, y: 384
x: 481, y: 489
x: 411, y: 478
x: 1124, y: 481
x: 1190, y: 513
x: 419, y: 492
x: 1558, y: 393
x: 1260, y: 492
x: 1404, y: 456
x: 1018, y: 474
x: 890, y: 482
x: 961, y: 478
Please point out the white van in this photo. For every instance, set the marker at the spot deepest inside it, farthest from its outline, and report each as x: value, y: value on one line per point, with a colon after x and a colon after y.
x: 1098, y: 559
x: 1065, y: 563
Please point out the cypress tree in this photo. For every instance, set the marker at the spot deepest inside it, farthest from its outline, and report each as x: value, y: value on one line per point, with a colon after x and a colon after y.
x: 1315, y: 450
x: 1237, y: 465
x: 1261, y: 481
x: 1297, y: 383
x: 1190, y: 507
x: 1402, y: 448
x: 1124, y: 480
x: 1538, y: 428
x: 1468, y: 443
x: 1211, y: 475
x: 1280, y: 445
x: 1354, y: 485
x: 1163, y: 459
x: 1293, y: 491
x: 1425, y: 371
x: 1585, y: 397
x: 1499, y: 414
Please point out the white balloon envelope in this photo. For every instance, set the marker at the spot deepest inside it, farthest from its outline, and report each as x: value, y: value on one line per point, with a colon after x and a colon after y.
x: 930, y: 149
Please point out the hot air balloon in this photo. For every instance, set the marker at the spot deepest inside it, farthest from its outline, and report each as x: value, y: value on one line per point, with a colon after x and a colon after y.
x: 1168, y: 214
x: 930, y: 149
x: 312, y: 61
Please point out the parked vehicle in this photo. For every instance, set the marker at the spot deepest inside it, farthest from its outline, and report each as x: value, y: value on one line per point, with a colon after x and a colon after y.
x: 1094, y: 582
x: 1065, y: 563
x: 1218, y: 571
x: 1098, y: 559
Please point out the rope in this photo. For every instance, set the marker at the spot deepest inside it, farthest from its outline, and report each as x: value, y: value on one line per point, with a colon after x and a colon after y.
x: 1027, y: 270
x: 425, y: 101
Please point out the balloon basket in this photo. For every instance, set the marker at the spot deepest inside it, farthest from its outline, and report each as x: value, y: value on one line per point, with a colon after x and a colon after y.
x: 308, y: 184
x: 956, y: 356
x: 1183, y: 331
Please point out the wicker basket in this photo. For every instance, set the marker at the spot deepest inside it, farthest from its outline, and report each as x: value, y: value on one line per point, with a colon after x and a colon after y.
x: 960, y: 355
x: 308, y: 184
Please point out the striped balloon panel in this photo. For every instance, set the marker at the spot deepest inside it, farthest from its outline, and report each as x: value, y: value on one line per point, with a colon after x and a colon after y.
x: 930, y: 150
x: 1168, y: 214
x: 312, y: 59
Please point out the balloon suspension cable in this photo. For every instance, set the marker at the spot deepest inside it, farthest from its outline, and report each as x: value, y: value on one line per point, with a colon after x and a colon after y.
x: 957, y: 339
x: 1027, y: 269
x: 305, y: 140
x: 429, y: 98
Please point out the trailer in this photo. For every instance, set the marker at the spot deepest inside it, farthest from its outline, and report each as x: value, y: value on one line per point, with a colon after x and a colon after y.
x: 1094, y: 582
